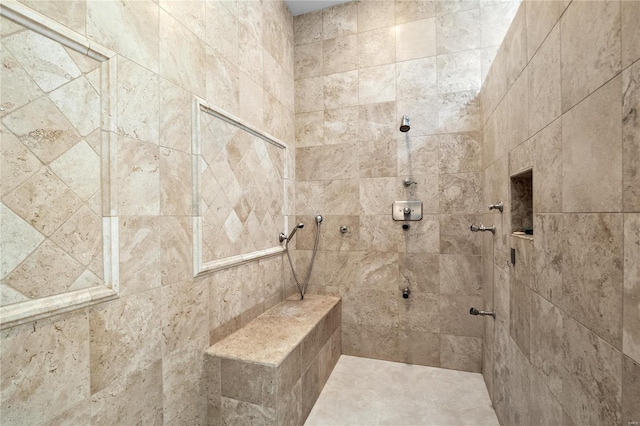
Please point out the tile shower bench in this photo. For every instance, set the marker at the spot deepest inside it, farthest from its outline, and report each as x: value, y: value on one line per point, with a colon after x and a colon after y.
x: 271, y: 371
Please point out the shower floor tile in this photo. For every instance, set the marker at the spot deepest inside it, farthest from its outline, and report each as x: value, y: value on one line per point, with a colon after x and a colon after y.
x: 365, y: 391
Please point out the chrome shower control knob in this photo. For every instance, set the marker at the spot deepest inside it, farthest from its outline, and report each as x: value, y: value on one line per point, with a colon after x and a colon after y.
x: 406, y: 210
x: 406, y: 292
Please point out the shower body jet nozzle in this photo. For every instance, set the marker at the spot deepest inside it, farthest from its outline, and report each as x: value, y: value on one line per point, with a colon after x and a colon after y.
x: 404, y: 127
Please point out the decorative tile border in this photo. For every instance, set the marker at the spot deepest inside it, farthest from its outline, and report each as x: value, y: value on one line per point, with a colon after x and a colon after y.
x: 199, y: 267
x: 23, y: 312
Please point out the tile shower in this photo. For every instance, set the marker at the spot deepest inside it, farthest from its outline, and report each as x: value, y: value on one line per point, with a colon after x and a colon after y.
x: 492, y: 88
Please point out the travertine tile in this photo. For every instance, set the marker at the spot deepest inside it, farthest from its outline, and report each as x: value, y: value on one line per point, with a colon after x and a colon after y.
x: 460, y: 193
x: 377, y: 84
x: 631, y: 295
x: 44, y: 59
x: 371, y: 341
x: 416, y: 78
x: 585, y: 68
x: 115, y: 365
x: 17, y: 162
x: 137, y: 104
x: 307, y: 28
x: 340, y: 54
x: 495, y: 19
x: 376, y: 121
x: 310, y: 198
x: 140, y: 254
x: 19, y: 240
x: 341, y: 163
x: 222, y: 30
x: 458, y: 31
x: 544, y: 82
x: 80, y: 104
x: 379, y: 271
x: 250, y: 14
x: 184, y: 313
x: 342, y: 197
x: 78, y: 414
x: 592, y: 383
x: 372, y: 308
x: 544, y: 406
x: 461, y: 353
x: 548, y: 256
x: 79, y: 168
x: 593, y: 126
x: 416, y: 39
x: 81, y: 236
x: 182, y: 55
x: 377, y: 158
x: 250, y: 56
x: 454, y: 238
x: 376, y: 47
x: 309, y: 129
x: 630, y: 34
x: 222, y: 80
x: 547, y: 336
x: 515, y: 42
x: 190, y: 14
x: 233, y: 411
x: 44, y: 201
x: 182, y: 377
x: 459, y: 153
x: 630, y: 390
x: 631, y: 139
x: 459, y: 112
x: 309, y: 94
x: 455, y: 318
x: 105, y: 22
x: 419, y: 312
x: 597, y: 237
x: 43, y: 129
x: 423, y: 113
x: 138, y: 177
x: 175, y: 178
x: 251, y: 101
x: 45, y: 367
x: 520, y: 313
x: 411, y: 10
x: 340, y: 125
x: 340, y: 90
x: 339, y: 20
x: 308, y: 60
x: 375, y: 14
x: 547, y: 167
x: 515, y: 127
x: 417, y: 156
x: 458, y: 72
x: 419, y: 272
x: 460, y: 275
x: 68, y: 13
x: 542, y: 16
x: 488, y: 55
x: 137, y: 397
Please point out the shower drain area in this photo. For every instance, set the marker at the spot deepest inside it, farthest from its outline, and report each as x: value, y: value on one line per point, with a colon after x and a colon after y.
x: 522, y: 203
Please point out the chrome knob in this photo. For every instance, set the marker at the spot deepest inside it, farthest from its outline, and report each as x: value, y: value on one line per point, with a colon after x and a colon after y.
x: 406, y: 210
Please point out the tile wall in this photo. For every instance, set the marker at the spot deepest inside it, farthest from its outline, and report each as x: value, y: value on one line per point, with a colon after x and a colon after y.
x: 561, y: 98
x: 359, y: 68
x: 138, y: 359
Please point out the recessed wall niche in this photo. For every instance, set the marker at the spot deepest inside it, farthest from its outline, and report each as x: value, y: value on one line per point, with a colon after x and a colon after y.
x: 59, y: 222
x: 239, y: 190
x: 522, y: 202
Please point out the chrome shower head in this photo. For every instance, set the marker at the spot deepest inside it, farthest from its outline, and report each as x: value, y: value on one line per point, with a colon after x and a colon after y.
x: 404, y: 127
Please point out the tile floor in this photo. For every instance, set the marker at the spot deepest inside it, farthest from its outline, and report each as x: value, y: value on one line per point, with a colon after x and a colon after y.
x: 365, y: 391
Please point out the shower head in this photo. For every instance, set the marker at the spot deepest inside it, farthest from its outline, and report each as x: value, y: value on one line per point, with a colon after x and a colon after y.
x: 404, y: 127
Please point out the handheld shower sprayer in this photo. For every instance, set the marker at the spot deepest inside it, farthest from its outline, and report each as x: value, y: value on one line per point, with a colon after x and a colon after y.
x: 283, y: 237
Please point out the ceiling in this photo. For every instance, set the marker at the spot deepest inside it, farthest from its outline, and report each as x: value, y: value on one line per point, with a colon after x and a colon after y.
x: 299, y: 7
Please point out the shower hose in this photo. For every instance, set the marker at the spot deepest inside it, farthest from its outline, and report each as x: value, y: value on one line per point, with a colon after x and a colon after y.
x: 303, y: 288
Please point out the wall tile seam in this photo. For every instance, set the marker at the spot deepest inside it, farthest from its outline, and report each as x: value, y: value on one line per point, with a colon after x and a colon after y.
x: 566, y: 313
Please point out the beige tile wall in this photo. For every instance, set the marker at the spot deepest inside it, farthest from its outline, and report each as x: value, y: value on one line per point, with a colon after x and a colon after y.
x: 562, y: 98
x: 138, y: 359
x: 359, y: 68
